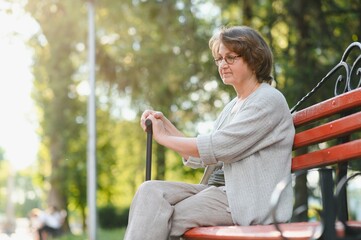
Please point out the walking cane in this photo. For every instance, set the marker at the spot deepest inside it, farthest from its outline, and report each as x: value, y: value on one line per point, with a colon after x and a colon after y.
x: 148, y: 167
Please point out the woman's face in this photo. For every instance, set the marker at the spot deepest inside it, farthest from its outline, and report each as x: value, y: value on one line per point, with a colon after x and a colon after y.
x: 236, y: 74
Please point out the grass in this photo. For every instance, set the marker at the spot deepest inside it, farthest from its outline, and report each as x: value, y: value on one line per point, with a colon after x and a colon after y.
x: 114, y: 234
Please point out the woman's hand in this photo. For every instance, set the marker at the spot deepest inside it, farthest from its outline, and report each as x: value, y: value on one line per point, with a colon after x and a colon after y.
x: 166, y: 134
x: 146, y: 114
x: 161, y: 126
x: 158, y: 127
x: 168, y: 125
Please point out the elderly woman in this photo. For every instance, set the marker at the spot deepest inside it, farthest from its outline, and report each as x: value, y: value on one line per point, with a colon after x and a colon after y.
x: 245, y: 156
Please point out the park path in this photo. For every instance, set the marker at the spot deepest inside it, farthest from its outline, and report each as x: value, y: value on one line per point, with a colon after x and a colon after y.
x: 22, y: 231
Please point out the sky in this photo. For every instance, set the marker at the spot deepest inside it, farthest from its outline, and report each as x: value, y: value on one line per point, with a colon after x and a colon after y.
x: 18, y: 121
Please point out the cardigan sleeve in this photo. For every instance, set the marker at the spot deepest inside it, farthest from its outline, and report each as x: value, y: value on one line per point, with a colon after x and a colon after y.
x: 193, y: 162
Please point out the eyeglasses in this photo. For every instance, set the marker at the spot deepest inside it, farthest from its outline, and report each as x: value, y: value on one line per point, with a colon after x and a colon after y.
x: 227, y: 59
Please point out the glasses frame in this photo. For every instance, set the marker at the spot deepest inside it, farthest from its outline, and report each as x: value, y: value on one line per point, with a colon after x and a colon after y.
x: 228, y: 59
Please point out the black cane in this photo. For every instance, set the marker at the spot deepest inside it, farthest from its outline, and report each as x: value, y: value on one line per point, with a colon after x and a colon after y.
x: 148, y: 167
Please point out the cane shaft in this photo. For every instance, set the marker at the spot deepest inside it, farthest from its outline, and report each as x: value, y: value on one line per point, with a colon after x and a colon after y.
x: 148, y: 168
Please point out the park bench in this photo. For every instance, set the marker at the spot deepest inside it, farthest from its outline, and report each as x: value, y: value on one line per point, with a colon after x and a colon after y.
x: 327, y: 139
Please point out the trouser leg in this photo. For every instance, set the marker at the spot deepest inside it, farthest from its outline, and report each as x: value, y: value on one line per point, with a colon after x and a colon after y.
x: 206, y: 208
x: 152, y: 208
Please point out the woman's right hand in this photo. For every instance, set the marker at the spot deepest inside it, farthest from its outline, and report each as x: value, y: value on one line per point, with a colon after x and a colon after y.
x: 168, y: 126
x: 146, y: 114
x: 166, y: 134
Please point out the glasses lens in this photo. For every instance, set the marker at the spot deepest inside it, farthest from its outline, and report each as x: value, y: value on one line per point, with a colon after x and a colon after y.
x: 230, y: 59
x: 227, y: 59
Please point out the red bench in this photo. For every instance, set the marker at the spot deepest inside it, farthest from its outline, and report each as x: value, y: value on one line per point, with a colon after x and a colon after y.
x: 333, y: 127
x: 291, y: 231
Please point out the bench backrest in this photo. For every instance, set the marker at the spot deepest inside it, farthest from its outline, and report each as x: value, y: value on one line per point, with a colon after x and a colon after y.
x: 334, y: 119
x: 325, y: 131
x: 329, y: 133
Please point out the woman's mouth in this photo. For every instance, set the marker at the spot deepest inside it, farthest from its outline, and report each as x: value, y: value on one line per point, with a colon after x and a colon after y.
x: 224, y: 75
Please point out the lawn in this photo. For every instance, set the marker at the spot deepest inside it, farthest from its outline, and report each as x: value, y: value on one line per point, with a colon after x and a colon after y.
x: 115, y: 234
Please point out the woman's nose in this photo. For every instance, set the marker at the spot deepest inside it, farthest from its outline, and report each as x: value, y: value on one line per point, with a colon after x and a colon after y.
x: 223, y: 64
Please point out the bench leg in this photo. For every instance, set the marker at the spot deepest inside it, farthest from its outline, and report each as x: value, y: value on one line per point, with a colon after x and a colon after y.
x: 328, y: 204
x: 342, y: 209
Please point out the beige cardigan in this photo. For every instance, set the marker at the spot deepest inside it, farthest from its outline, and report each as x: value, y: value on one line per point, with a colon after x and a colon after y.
x: 256, y: 149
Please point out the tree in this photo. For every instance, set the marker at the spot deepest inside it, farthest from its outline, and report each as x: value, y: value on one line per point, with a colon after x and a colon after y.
x: 55, y: 71
x: 157, y: 59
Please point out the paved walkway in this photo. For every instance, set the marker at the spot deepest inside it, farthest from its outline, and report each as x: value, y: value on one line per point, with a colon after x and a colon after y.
x: 22, y: 231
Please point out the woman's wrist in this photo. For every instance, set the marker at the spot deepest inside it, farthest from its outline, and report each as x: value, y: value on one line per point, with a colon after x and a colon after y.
x: 185, y: 146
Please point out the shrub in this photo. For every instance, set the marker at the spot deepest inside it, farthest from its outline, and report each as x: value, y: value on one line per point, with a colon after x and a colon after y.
x: 110, y: 217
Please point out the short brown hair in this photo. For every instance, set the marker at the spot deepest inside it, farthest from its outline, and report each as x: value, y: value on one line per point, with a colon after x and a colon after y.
x: 248, y: 44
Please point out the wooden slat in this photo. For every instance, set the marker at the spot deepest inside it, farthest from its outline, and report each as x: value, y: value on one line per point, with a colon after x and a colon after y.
x: 292, y: 231
x: 337, y: 128
x: 339, y: 153
x: 328, y: 107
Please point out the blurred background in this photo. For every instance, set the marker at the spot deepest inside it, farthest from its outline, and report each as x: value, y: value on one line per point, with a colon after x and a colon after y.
x: 149, y: 54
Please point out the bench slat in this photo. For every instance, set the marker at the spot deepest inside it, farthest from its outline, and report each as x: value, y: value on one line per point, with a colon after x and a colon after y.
x: 339, y: 153
x: 337, y: 128
x: 293, y: 231
x: 328, y: 107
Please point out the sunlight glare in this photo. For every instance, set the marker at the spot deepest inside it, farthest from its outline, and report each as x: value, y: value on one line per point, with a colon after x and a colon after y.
x: 18, y: 119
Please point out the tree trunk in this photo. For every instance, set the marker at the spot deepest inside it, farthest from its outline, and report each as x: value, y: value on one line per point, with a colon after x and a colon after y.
x: 160, y: 168
x: 300, y: 11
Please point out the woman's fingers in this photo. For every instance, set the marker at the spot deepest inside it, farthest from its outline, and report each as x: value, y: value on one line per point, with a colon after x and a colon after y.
x: 158, y: 115
x: 146, y: 114
x: 157, y: 127
x: 144, y: 117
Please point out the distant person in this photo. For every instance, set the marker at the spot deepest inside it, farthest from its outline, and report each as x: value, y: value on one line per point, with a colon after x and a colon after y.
x: 47, y: 222
x: 36, y: 218
x: 248, y: 152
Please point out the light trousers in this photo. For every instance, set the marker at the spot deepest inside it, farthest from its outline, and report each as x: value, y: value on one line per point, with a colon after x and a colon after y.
x: 164, y: 210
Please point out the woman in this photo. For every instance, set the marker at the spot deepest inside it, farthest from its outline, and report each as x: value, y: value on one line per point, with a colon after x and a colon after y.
x: 251, y: 146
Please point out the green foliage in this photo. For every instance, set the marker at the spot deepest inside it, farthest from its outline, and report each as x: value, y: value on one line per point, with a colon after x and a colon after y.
x: 113, y: 234
x: 61, y: 109
x: 24, y: 185
x: 4, y: 176
x: 110, y: 217
x: 18, y: 187
x: 2, y: 153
